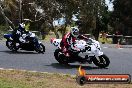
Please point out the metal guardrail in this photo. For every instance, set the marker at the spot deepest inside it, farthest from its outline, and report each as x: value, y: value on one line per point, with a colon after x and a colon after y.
x: 119, y: 36
x: 121, y: 39
x: 111, y: 36
x: 116, y: 38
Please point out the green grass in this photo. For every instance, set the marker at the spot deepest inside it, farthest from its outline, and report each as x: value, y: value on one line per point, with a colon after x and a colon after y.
x: 25, y: 79
x: 6, y: 83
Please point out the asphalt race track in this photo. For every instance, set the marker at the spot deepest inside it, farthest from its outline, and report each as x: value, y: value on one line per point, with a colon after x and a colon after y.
x: 121, y: 61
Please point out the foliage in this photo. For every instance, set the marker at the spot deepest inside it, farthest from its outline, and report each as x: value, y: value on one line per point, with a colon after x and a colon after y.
x: 92, y: 13
x: 121, y: 18
x: 7, y: 8
x: 2, y: 21
x: 3, y: 30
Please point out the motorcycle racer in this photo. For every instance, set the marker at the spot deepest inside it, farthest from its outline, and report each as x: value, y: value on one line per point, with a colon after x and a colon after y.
x: 68, y: 41
x: 20, y: 33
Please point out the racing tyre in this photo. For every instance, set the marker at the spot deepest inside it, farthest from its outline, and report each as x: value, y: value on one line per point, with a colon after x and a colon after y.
x: 11, y: 46
x: 101, y: 61
x: 60, y: 57
x: 41, y: 48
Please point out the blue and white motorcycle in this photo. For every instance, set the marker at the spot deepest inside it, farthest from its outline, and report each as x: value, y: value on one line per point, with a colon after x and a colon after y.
x: 90, y: 52
x: 31, y: 43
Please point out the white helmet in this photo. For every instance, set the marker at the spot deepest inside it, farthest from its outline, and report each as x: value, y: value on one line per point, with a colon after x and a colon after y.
x: 22, y: 25
x: 75, y: 31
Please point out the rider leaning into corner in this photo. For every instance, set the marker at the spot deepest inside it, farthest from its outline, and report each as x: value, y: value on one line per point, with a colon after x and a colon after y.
x: 68, y: 41
x: 23, y: 34
x: 18, y: 32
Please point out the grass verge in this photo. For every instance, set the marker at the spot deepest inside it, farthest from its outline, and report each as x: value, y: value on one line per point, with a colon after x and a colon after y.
x: 25, y: 79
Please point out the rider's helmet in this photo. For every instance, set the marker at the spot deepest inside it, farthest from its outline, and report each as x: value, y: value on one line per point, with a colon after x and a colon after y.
x: 22, y: 27
x: 75, y: 31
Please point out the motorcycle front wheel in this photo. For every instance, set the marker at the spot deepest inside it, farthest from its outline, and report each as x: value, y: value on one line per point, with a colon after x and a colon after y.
x: 101, y: 61
x: 60, y: 57
x: 41, y: 48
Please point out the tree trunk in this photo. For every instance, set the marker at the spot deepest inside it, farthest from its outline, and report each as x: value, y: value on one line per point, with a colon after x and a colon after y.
x: 8, y: 21
x: 56, y: 33
x: 97, y: 29
x: 96, y: 34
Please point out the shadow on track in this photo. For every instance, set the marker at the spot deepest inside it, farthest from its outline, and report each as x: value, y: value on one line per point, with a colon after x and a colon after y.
x: 19, y: 52
x: 70, y: 66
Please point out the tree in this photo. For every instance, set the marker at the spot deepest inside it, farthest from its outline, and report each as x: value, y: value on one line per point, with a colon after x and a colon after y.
x: 68, y: 8
x: 91, y: 13
x: 51, y: 12
x: 121, y: 18
x: 7, y: 5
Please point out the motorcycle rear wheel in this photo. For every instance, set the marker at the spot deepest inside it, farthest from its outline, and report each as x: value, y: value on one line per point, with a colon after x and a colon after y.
x: 102, y: 61
x: 11, y: 45
x: 60, y: 57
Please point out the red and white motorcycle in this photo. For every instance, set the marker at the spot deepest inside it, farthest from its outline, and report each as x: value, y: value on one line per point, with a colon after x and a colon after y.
x: 90, y: 52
